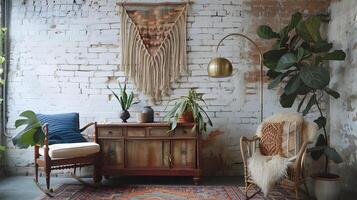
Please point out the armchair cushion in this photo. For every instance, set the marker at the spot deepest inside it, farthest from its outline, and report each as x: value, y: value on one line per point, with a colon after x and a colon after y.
x: 291, y: 139
x: 271, y: 139
x: 295, y: 131
x: 62, y: 128
x: 71, y: 150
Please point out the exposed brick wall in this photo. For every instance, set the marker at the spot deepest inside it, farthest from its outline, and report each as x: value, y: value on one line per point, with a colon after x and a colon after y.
x: 64, y: 54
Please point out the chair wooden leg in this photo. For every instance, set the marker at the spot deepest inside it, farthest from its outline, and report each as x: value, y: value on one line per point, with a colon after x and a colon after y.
x: 307, y: 190
x: 74, y: 170
x: 48, y: 176
x: 246, y: 189
x: 36, y: 172
x: 296, y: 191
x: 36, y: 156
x: 248, y: 186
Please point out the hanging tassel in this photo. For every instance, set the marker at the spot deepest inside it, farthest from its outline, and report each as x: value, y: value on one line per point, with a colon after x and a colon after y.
x: 153, y: 74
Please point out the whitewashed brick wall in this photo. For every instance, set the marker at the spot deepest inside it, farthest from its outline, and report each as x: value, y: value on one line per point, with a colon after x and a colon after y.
x: 64, y: 53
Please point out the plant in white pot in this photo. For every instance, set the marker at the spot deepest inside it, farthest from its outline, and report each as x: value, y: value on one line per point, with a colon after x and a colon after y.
x: 299, y: 60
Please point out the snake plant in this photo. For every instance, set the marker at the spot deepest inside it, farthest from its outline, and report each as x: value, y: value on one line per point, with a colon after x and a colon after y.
x: 125, y: 99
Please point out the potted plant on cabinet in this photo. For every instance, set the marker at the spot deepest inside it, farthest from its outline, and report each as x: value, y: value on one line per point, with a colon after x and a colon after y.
x: 299, y: 59
x: 187, y: 109
x: 125, y: 100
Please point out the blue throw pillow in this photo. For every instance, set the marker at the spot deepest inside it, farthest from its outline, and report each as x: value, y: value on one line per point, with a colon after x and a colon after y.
x: 62, y: 128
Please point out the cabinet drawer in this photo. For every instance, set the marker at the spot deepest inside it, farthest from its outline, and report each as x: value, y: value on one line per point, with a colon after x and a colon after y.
x: 136, y: 132
x: 159, y: 131
x: 110, y: 132
x: 184, y: 132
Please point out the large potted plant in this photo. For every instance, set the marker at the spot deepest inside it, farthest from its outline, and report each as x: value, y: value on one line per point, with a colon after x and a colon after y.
x: 125, y: 101
x: 31, y: 133
x: 299, y: 61
x: 188, y: 109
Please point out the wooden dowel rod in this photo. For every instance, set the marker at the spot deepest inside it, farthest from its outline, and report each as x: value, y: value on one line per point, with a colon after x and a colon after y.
x: 153, y: 4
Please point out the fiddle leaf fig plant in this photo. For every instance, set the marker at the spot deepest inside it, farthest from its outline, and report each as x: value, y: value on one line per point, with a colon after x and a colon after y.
x: 298, y: 60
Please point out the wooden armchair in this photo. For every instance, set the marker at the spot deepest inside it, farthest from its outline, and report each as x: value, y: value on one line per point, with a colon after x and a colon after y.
x: 296, y: 171
x: 65, y: 156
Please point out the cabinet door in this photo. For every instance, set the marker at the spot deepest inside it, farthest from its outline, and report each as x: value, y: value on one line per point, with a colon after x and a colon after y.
x: 184, y: 153
x: 147, y: 153
x: 112, y: 153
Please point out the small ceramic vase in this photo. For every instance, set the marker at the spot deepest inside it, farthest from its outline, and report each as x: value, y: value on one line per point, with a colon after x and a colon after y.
x: 124, y: 116
x: 142, y: 117
x: 149, y: 114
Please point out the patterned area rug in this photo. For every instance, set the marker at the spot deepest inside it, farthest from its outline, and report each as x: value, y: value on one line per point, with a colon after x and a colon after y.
x: 161, y: 192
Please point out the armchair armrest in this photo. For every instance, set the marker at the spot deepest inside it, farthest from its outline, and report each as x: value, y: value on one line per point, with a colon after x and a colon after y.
x: 86, y: 126
x: 95, y: 129
x: 45, y: 147
x: 45, y: 130
x: 300, y: 157
x: 248, y: 147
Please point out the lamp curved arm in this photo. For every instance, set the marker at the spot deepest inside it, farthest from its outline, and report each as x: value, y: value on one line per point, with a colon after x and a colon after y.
x: 261, y: 66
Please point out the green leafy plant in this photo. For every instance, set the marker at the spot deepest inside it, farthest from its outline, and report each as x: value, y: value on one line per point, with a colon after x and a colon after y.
x: 298, y: 60
x: 189, y: 103
x: 32, y: 133
x: 2, y: 60
x: 125, y: 99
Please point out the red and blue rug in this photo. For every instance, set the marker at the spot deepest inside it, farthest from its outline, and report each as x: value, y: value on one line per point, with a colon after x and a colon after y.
x: 161, y: 192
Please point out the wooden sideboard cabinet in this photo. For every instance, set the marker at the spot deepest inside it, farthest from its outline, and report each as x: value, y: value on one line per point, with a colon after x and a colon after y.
x: 148, y: 149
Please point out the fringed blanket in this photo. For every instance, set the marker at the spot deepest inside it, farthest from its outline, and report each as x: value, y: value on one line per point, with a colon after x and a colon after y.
x: 153, y: 46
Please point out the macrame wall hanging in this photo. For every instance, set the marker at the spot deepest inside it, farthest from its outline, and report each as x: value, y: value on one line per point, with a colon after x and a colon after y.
x: 153, y: 45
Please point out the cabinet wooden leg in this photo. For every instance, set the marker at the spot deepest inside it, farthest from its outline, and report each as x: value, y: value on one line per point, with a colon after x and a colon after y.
x: 196, y: 180
x: 97, y: 175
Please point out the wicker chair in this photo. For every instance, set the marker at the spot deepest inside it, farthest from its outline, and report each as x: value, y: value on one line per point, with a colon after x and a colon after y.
x: 296, y: 171
x: 65, y: 156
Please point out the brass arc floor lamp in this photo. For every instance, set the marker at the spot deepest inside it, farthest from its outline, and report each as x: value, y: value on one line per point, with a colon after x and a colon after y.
x: 221, y: 67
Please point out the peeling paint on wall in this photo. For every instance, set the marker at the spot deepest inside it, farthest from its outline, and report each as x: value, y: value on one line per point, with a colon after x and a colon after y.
x: 343, y: 114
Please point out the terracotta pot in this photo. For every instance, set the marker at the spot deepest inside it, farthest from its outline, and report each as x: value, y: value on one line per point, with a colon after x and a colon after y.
x: 186, y: 117
x: 327, y: 187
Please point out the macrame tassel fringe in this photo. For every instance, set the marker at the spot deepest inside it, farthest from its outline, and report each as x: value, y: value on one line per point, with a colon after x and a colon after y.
x: 152, y: 74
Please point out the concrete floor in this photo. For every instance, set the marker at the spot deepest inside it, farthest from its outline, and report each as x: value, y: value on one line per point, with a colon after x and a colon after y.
x: 23, y: 187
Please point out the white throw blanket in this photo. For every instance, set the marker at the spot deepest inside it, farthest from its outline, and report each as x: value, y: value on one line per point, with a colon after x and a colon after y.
x: 266, y: 171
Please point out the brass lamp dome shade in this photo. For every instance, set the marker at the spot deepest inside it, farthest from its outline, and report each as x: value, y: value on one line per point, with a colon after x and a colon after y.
x: 219, y: 68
